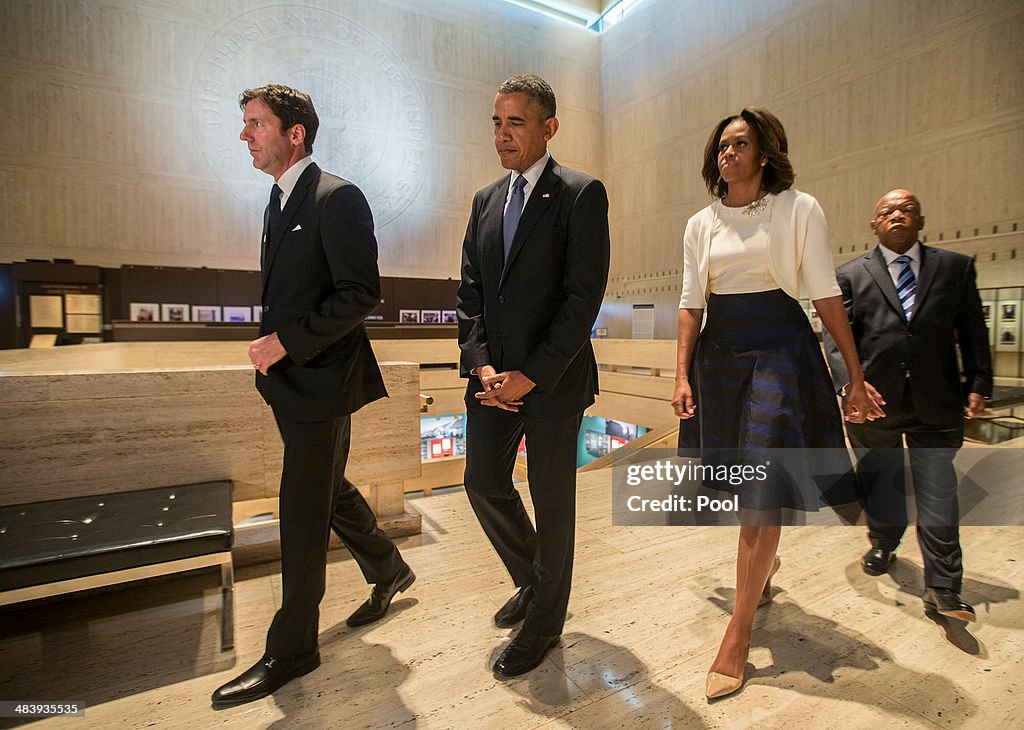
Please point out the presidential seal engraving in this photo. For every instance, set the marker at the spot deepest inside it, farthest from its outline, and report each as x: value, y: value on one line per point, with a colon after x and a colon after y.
x: 372, y: 113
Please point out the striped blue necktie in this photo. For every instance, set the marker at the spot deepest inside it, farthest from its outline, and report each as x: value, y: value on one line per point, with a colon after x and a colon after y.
x: 906, y: 285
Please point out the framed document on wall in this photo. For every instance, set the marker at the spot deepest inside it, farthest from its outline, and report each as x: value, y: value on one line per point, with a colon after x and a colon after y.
x: 205, y: 313
x: 84, y: 313
x: 237, y: 314
x: 1008, y: 330
x: 83, y: 304
x: 174, y: 312
x: 144, y: 311
x: 46, y: 311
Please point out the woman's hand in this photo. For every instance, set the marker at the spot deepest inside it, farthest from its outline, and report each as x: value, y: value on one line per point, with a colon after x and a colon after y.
x: 682, y: 400
x: 863, y: 403
x: 682, y: 397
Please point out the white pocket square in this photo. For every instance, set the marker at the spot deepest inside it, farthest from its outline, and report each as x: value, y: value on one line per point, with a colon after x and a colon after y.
x: 297, y: 228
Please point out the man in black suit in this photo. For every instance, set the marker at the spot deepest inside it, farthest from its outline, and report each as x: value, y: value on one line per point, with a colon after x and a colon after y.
x: 910, y: 306
x: 534, y: 269
x: 314, y: 368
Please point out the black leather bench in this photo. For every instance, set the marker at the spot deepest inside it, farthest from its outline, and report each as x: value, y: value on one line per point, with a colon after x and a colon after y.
x: 67, y: 545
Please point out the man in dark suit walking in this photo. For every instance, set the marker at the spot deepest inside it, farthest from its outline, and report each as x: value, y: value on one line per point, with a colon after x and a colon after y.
x: 910, y: 306
x: 534, y: 269
x: 314, y: 368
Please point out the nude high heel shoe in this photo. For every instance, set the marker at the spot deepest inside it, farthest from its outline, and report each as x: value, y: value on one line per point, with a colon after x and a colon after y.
x: 720, y: 685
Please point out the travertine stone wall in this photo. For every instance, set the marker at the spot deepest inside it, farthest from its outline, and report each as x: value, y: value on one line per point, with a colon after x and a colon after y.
x: 874, y: 94
x: 122, y: 126
x: 122, y: 123
x: 93, y: 419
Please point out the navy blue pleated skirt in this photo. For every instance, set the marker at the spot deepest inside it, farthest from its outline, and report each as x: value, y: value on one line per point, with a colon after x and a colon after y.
x: 763, y: 394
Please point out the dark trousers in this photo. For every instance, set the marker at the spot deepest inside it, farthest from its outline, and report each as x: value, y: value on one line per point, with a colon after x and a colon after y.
x: 540, y: 557
x: 882, y: 486
x: 315, y: 497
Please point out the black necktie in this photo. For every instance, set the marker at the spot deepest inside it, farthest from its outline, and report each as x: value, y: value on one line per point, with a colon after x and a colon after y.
x: 273, y: 220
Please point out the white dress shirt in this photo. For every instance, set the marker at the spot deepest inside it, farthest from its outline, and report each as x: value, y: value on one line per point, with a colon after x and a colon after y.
x: 291, y: 176
x: 532, y: 175
x: 894, y: 268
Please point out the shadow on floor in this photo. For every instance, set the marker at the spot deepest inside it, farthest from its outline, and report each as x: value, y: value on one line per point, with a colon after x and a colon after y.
x: 587, y: 682
x: 817, y: 656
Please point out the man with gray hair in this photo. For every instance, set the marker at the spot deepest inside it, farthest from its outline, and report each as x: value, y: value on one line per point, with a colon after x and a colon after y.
x: 534, y: 269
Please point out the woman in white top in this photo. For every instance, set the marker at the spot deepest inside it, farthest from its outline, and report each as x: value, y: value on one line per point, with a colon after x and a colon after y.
x: 754, y: 378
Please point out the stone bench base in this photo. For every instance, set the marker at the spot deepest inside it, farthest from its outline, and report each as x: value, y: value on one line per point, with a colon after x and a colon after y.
x: 62, y: 546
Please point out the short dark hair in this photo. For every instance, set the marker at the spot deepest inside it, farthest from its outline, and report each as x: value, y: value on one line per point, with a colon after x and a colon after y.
x: 534, y: 87
x: 771, y: 142
x: 289, y: 105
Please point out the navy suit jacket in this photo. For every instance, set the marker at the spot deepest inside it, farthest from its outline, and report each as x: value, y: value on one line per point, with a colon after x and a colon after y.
x: 535, y: 311
x: 947, y: 314
x: 320, y: 281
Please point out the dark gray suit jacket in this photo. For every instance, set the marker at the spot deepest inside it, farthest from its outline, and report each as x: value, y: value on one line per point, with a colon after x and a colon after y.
x: 534, y: 313
x: 947, y: 313
x: 320, y: 281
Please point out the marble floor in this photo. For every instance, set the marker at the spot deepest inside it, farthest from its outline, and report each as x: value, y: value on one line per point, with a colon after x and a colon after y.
x: 836, y: 648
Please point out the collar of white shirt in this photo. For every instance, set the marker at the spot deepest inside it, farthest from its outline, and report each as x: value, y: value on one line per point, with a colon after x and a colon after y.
x: 532, y: 175
x: 291, y: 176
x: 914, y: 254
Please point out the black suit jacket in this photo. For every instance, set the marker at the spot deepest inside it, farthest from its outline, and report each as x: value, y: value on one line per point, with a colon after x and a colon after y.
x: 320, y: 280
x: 535, y: 312
x: 947, y: 313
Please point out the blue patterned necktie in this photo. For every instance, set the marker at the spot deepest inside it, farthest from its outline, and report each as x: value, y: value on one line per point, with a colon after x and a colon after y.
x: 513, y: 213
x: 906, y: 285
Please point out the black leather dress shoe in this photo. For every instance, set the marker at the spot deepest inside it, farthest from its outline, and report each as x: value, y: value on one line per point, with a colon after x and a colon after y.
x: 514, y: 609
x: 263, y: 678
x: 947, y: 603
x: 525, y: 652
x: 876, y: 561
x: 374, y: 607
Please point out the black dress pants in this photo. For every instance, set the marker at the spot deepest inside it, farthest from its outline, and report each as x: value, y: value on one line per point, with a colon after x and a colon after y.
x: 882, y: 486
x: 540, y: 557
x: 316, y: 497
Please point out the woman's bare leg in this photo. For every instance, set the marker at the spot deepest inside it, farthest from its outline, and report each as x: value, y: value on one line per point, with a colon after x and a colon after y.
x: 755, y: 558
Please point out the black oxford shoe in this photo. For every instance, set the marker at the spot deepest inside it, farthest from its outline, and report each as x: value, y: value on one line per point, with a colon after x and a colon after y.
x: 947, y: 603
x: 876, y: 561
x: 374, y: 607
x: 514, y: 609
x: 525, y: 652
x: 263, y: 678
